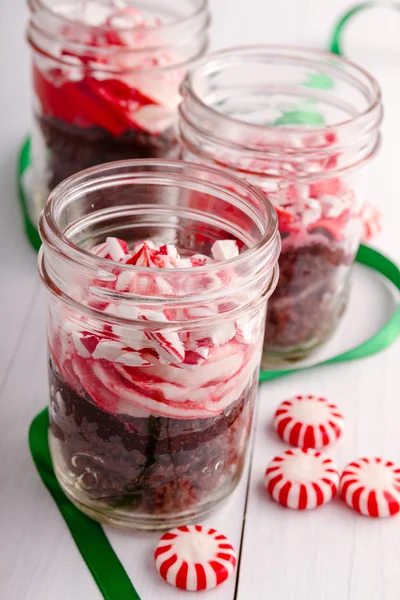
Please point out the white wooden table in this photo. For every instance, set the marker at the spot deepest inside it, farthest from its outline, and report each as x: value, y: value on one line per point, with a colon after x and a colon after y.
x: 328, y: 554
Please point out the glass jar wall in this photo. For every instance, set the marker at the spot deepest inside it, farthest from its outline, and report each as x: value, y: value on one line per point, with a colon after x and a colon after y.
x: 302, y: 126
x: 159, y: 275
x: 106, y: 81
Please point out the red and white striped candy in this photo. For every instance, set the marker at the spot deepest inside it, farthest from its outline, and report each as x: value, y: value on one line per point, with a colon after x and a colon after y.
x: 195, y: 558
x: 168, y: 345
x: 371, y: 486
x: 112, y: 249
x: 117, y: 248
x: 101, y: 250
x: 143, y: 256
x: 170, y: 255
x: 372, y: 220
x: 302, y: 478
x: 308, y: 421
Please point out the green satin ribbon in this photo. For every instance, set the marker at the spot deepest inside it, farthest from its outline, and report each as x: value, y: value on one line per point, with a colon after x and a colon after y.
x: 301, y: 117
x: 92, y: 542
x: 336, y: 42
x: 382, y: 339
x: 23, y: 164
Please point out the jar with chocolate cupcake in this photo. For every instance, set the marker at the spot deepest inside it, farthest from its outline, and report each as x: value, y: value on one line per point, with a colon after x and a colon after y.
x: 158, y: 276
x: 106, y: 77
x: 302, y: 126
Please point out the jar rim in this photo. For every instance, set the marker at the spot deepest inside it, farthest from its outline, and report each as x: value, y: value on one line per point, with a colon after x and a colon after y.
x: 53, y: 236
x: 202, y: 6
x: 288, y: 52
x: 176, y: 36
x: 288, y: 177
x: 184, y: 64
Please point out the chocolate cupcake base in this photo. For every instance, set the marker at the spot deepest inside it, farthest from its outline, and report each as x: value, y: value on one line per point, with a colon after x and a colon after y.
x: 145, y: 473
x: 309, y: 300
x: 72, y: 148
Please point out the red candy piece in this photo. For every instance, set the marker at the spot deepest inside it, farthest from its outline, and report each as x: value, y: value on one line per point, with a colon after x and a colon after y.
x: 143, y: 257
x: 333, y: 228
x: 371, y: 487
x: 331, y: 187
x: 195, y: 558
x: 286, y: 220
x: 308, y: 422
x: 302, y: 479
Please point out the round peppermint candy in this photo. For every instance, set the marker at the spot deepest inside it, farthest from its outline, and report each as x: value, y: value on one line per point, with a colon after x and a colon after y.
x: 371, y: 486
x: 308, y: 421
x: 302, y: 478
x: 193, y: 557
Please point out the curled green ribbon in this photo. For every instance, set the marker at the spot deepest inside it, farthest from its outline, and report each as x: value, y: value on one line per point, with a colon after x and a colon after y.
x: 336, y: 42
x: 382, y: 339
x: 97, y: 552
x: 23, y: 164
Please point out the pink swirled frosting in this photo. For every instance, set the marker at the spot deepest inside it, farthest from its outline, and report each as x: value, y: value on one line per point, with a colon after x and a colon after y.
x: 186, y: 372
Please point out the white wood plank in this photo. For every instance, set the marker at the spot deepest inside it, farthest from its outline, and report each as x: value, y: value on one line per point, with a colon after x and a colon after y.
x: 19, y: 283
x: 39, y: 559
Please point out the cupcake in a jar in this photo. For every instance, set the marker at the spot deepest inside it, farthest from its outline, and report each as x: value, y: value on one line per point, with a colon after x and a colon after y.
x: 154, y: 338
x: 302, y: 126
x: 106, y: 79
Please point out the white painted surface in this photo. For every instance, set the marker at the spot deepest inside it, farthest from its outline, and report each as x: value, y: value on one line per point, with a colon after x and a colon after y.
x: 328, y: 554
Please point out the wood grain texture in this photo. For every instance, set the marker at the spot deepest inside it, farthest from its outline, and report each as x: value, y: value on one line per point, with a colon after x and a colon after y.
x: 328, y: 554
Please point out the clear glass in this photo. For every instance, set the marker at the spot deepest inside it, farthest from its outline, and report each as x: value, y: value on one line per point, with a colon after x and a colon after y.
x: 141, y: 437
x: 302, y: 126
x: 106, y: 81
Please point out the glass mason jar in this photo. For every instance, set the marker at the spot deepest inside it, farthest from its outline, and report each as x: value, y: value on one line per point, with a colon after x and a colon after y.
x: 301, y: 125
x: 153, y: 371
x: 106, y: 81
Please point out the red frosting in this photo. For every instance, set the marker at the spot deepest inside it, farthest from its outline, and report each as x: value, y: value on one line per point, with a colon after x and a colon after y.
x: 79, y: 95
x: 88, y: 102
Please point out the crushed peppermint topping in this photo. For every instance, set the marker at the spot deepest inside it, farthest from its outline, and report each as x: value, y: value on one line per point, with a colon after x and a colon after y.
x: 114, y: 85
x: 165, y: 256
x: 156, y: 363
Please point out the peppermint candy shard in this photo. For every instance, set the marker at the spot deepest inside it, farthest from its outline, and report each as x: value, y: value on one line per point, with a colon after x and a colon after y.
x: 199, y: 260
x: 308, y: 421
x: 193, y: 557
x: 302, y: 478
x: 224, y: 250
x: 372, y: 222
x: 143, y: 256
x: 167, y: 344
x: 112, y: 249
x: 84, y: 344
x: 101, y: 250
x: 117, y: 248
x: 371, y: 487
